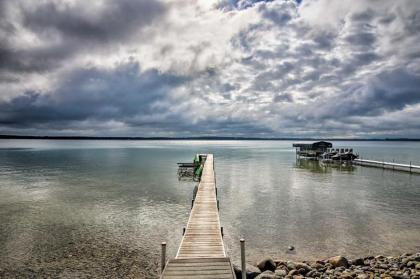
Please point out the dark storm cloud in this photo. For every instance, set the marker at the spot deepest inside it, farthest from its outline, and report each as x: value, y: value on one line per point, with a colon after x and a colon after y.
x: 236, y: 127
x: 283, y: 98
x: 92, y: 94
x: 324, y: 40
x: 116, y: 20
x: 388, y: 92
x: 277, y: 16
x: 138, y: 100
x: 66, y: 29
x: 32, y: 60
x: 220, y: 126
x: 364, y: 39
x: 365, y: 16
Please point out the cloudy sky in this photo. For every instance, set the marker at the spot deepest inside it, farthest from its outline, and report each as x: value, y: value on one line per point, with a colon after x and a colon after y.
x: 310, y: 68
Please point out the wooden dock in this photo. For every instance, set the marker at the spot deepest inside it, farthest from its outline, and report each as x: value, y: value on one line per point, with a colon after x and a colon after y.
x: 201, y: 253
x: 387, y: 165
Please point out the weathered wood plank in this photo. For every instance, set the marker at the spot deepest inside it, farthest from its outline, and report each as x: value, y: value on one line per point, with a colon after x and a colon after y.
x: 199, y: 268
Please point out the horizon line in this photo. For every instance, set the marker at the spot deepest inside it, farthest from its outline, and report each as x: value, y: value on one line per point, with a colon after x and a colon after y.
x: 7, y: 136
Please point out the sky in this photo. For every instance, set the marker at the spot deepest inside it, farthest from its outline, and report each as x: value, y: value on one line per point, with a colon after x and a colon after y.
x: 180, y: 68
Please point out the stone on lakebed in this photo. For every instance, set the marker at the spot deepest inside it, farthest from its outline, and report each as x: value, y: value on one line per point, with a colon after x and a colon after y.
x: 251, y: 271
x: 266, y: 275
x: 338, y: 261
x: 267, y: 264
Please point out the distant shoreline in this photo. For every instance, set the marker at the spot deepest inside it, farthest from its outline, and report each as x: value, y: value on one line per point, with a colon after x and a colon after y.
x: 197, y: 138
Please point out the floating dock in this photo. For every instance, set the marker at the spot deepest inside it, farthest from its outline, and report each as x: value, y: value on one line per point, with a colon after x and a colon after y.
x: 387, y: 165
x: 201, y: 253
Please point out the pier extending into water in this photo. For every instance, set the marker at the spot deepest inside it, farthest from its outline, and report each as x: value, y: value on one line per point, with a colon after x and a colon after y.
x: 201, y: 253
x: 387, y: 165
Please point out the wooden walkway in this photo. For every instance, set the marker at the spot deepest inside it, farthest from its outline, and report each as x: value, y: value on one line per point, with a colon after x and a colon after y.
x: 202, y: 252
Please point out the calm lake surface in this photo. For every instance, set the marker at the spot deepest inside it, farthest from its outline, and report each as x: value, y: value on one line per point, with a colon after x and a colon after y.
x: 102, y: 208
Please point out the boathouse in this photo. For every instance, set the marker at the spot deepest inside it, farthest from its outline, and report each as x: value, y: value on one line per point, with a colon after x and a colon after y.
x: 312, y: 150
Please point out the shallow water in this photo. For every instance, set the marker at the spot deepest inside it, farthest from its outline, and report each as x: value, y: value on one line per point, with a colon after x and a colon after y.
x: 101, y: 208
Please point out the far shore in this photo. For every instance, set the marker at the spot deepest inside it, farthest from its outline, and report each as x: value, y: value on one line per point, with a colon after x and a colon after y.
x: 198, y: 138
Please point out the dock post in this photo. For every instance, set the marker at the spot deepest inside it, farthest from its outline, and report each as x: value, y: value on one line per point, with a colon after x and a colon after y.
x: 243, y: 264
x: 192, y: 203
x: 163, y: 257
x: 410, y: 166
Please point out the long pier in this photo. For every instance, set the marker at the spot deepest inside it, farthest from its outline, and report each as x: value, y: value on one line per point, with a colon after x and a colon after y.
x: 387, y: 165
x: 201, y: 253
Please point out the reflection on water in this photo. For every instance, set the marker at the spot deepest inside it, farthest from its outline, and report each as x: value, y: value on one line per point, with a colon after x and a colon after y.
x: 101, y: 208
x: 320, y: 167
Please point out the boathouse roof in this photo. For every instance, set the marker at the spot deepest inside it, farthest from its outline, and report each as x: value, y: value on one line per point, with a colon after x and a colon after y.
x: 314, y: 145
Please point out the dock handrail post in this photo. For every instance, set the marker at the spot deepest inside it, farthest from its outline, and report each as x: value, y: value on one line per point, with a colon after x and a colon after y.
x: 163, y: 257
x: 243, y: 264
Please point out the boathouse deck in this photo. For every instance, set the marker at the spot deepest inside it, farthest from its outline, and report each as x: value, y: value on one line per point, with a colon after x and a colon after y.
x: 201, y: 253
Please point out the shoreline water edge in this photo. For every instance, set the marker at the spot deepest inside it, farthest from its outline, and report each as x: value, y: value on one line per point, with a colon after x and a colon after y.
x: 406, y: 266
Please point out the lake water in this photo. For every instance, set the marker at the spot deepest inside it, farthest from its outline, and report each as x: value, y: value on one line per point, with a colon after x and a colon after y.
x: 102, y: 208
